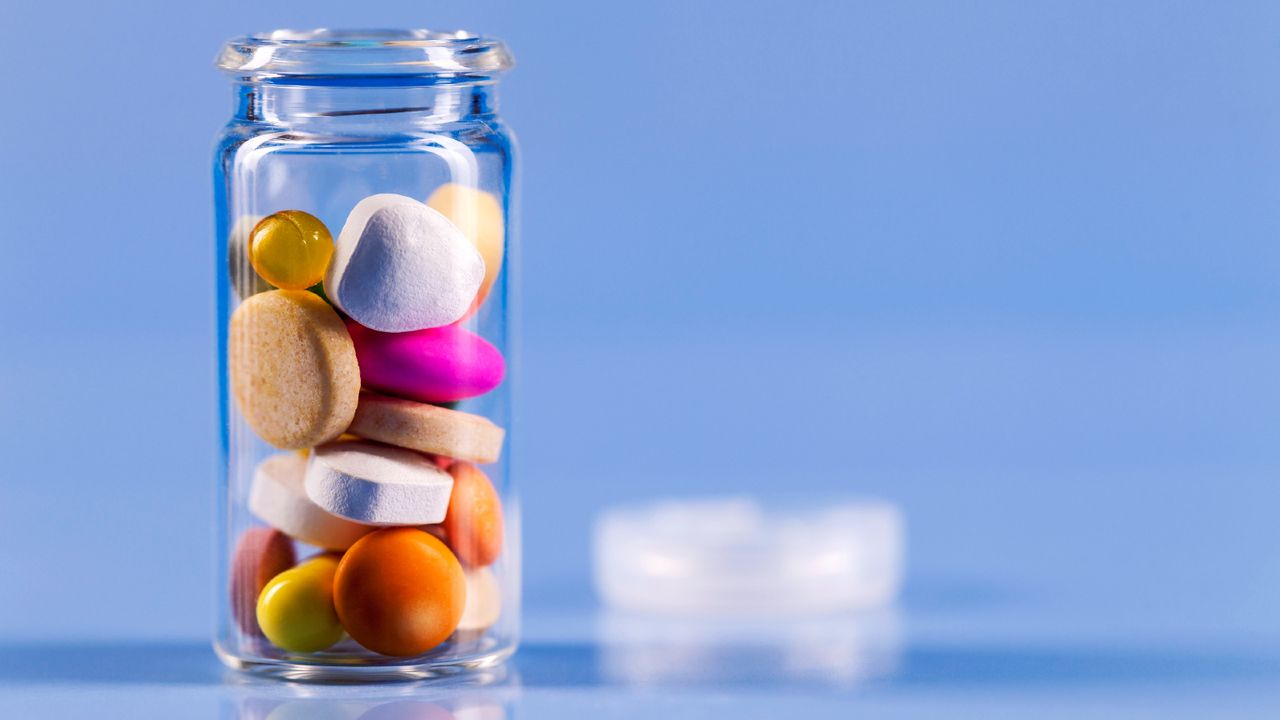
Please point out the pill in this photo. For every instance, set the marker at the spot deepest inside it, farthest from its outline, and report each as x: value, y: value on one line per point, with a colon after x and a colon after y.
x: 261, y: 553
x: 427, y: 428
x: 400, y: 266
x: 399, y: 591
x: 244, y: 279
x: 296, y: 609
x: 441, y: 364
x: 293, y: 368
x: 290, y: 249
x: 473, y: 523
x: 484, y: 601
x: 478, y: 215
x: 278, y: 496
x: 376, y: 484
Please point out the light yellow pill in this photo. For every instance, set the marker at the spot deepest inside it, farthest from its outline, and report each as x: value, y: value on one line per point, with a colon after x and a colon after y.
x: 479, y: 216
x: 295, y: 609
x: 290, y: 249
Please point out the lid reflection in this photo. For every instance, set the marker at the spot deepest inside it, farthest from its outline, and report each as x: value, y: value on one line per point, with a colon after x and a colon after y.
x: 837, y: 651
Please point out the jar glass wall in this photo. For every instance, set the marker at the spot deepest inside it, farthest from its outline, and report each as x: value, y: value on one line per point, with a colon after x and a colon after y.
x: 368, y: 526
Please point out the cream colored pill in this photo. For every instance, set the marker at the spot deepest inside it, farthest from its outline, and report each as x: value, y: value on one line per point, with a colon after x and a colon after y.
x: 427, y: 428
x: 479, y: 216
x: 376, y: 484
x: 484, y: 601
x: 279, y: 498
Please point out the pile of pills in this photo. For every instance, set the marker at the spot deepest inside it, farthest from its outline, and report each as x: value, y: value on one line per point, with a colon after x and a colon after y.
x: 348, y: 354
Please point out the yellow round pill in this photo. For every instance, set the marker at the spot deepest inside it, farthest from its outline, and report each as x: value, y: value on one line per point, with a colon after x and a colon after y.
x: 295, y: 609
x: 290, y: 249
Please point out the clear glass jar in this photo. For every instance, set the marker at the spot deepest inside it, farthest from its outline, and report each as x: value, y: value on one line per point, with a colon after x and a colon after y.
x: 367, y: 522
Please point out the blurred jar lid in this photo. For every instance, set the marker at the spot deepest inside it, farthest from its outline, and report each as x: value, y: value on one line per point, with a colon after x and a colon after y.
x: 743, y: 556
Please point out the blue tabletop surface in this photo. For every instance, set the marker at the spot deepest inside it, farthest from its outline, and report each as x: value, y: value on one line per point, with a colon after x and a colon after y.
x: 880, y: 665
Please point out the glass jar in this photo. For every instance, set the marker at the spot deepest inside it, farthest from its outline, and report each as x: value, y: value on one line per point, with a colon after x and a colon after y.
x: 363, y: 190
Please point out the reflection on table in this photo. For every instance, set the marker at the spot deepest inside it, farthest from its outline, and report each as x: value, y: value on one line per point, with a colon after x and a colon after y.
x: 821, y: 651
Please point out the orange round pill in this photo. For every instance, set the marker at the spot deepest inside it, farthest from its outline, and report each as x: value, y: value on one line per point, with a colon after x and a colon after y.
x: 473, y: 522
x: 399, y: 591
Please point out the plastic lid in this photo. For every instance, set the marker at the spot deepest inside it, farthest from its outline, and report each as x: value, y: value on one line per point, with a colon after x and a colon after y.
x: 736, y: 555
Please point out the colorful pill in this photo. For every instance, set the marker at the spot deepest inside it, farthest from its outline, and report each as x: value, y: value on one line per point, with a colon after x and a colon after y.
x: 484, y: 602
x: 473, y: 523
x: 293, y: 368
x: 291, y: 249
x: 399, y: 592
x: 296, y: 609
x: 427, y: 428
x: 441, y: 364
x: 261, y: 554
x: 479, y: 216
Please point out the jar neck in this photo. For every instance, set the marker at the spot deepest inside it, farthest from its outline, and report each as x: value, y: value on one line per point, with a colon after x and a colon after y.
x: 350, y: 102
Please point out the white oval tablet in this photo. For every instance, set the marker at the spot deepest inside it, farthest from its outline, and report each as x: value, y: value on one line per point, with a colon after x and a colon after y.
x: 279, y: 498
x: 484, y: 601
x: 399, y: 265
x: 377, y: 484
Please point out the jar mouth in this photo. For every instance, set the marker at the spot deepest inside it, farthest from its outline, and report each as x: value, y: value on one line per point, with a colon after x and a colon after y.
x: 337, y: 52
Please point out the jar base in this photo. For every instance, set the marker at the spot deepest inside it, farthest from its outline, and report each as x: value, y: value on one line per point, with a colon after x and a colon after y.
x: 305, y: 672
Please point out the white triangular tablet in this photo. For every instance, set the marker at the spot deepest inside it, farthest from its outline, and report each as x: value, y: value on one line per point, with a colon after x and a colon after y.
x: 399, y: 265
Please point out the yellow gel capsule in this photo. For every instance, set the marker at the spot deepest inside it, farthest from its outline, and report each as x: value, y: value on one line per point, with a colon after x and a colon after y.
x: 295, y: 609
x: 290, y: 249
x: 479, y: 216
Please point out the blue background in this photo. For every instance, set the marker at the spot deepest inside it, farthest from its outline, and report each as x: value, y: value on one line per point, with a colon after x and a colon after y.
x: 1012, y: 265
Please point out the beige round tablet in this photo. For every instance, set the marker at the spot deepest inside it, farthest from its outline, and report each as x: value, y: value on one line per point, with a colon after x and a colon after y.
x: 293, y: 368
x: 427, y: 428
x: 278, y: 496
x: 484, y: 601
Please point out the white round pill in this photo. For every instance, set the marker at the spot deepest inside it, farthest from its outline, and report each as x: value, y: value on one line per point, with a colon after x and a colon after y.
x: 399, y: 265
x: 377, y: 484
x: 278, y: 497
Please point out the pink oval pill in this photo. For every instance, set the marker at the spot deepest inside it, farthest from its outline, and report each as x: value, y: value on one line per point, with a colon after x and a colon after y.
x: 441, y: 364
x: 261, y: 553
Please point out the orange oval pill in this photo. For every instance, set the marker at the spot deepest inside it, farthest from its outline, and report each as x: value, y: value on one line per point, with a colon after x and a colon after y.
x: 473, y: 522
x: 399, y: 591
x: 261, y: 553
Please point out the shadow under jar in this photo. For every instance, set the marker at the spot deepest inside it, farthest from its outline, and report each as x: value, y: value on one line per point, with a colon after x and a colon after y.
x: 363, y: 191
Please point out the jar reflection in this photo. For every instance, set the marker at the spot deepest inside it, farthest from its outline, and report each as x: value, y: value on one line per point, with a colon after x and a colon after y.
x: 482, y: 697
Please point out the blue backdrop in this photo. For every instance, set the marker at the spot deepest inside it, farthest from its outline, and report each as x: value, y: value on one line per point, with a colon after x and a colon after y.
x: 1013, y: 265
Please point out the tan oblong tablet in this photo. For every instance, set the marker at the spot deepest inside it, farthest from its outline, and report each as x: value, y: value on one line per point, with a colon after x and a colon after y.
x: 427, y: 428
x: 484, y: 601
x: 279, y: 497
x: 377, y: 484
x: 293, y: 368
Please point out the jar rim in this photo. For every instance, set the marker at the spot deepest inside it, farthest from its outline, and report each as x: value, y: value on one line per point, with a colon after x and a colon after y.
x: 328, y: 52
